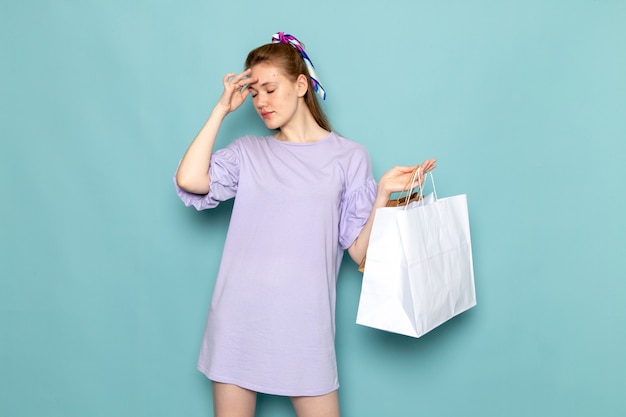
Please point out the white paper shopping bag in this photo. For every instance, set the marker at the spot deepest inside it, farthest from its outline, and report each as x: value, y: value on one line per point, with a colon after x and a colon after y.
x: 419, y: 270
x: 386, y: 301
x: 437, y: 246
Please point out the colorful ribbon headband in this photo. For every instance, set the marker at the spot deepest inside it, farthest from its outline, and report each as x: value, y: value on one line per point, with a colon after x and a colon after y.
x: 282, y: 37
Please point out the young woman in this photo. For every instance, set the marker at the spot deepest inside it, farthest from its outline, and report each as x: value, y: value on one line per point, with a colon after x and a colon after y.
x: 303, y: 196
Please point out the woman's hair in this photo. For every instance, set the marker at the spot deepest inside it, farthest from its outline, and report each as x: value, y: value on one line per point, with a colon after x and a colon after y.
x: 289, y: 59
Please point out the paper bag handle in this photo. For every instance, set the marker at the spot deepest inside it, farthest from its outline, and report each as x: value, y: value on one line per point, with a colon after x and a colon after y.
x: 408, y: 189
x: 420, y: 189
x: 412, y: 195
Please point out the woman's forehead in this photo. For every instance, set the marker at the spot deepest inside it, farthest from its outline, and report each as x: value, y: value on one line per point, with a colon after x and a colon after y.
x: 265, y: 73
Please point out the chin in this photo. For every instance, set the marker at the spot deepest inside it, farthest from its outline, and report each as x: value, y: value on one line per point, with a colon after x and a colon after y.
x: 272, y: 126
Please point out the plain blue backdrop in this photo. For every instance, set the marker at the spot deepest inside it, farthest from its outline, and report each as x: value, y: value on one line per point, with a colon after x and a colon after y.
x: 105, y: 277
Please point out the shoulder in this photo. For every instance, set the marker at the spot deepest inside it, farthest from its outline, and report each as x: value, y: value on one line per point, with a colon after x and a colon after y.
x: 352, y: 150
x: 346, y: 143
x: 249, y: 140
x: 353, y: 160
x: 247, y: 144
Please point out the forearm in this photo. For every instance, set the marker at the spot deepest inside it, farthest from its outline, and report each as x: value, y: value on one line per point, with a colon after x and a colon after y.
x: 358, y: 249
x: 193, y: 171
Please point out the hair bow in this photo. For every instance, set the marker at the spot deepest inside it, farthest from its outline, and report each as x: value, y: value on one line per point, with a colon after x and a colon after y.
x: 282, y: 37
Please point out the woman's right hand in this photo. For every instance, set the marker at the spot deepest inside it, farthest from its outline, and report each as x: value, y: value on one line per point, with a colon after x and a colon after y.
x: 235, y: 91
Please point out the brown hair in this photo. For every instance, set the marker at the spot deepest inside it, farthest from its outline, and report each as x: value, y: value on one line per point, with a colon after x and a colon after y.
x: 289, y: 59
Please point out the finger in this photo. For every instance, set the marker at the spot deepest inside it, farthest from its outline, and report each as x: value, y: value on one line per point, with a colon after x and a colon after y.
x: 233, y: 81
x: 240, y: 87
x: 243, y: 74
x: 244, y: 93
x: 245, y: 83
x: 428, y: 165
x: 406, y: 169
x: 241, y: 80
x: 227, y: 77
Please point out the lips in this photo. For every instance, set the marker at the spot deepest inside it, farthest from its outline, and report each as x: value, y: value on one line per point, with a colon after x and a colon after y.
x: 266, y: 114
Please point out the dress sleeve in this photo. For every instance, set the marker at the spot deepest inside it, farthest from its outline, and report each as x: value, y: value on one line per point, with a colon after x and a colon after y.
x: 224, y: 173
x: 357, y: 203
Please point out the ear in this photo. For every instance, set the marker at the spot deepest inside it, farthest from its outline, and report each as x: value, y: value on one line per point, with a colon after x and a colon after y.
x: 302, y: 85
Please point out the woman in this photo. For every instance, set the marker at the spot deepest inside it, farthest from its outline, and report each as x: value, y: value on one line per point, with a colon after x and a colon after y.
x: 303, y: 196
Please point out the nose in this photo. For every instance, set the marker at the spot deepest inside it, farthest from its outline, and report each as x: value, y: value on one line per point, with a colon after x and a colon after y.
x: 259, y: 101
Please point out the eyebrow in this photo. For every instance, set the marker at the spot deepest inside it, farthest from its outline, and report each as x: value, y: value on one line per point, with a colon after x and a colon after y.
x: 262, y: 85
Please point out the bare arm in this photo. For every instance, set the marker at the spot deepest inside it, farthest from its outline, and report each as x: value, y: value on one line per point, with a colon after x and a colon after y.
x: 392, y: 181
x: 193, y: 172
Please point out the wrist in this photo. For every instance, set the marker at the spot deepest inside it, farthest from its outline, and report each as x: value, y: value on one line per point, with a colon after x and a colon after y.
x: 220, y: 111
x: 383, y: 192
x: 382, y: 197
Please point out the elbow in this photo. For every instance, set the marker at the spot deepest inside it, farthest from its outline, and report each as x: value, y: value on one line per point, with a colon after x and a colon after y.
x: 191, y: 184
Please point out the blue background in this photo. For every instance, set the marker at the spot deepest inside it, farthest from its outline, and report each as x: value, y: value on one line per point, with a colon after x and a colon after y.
x: 105, y: 277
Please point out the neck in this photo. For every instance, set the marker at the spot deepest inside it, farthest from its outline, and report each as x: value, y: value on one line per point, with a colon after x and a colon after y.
x: 302, y: 129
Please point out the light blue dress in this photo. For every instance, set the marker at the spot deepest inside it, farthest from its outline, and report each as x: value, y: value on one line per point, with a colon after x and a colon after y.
x: 271, y: 325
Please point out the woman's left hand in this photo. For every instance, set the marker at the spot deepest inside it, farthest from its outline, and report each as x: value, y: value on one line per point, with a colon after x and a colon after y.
x: 398, y: 178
